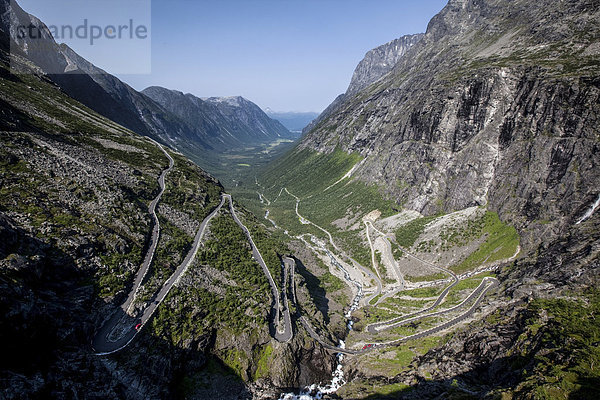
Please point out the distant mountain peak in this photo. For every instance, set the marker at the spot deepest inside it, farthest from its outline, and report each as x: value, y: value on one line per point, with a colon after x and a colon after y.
x: 376, y: 64
x: 235, y: 101
x: 232, y: 120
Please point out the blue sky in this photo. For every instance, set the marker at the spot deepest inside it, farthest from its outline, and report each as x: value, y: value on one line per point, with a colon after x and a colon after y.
x: 289, y: 55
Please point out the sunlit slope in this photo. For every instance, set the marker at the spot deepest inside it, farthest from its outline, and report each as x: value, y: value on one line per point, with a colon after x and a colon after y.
x: 324, y: 184
x: 326, y: 192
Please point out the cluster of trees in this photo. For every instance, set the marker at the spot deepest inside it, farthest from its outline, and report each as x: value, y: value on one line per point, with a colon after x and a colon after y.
x: 228, y: 250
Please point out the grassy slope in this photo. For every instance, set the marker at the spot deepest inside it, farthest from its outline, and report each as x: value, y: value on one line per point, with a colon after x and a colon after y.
x: 36, y: 198
x: 308, y: 174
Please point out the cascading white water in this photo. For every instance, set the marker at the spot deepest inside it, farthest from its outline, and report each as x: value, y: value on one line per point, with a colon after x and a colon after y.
x: 316, y: 391
x: 589, y: 212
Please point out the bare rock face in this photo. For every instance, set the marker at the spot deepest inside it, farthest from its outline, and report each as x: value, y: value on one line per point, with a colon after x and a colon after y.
x: 376, y: 64
x: 497, y: 104
x: 380, y: 61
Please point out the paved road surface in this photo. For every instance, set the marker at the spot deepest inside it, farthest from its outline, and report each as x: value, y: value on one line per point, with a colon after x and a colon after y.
x: 289, y: 267
x: 103, y: 343
x: 280, y: 335
x: 141, y: 274
x: 374, y: 328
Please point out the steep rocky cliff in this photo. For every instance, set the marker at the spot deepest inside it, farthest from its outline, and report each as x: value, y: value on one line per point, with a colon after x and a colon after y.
x: 498, y: 103
x: 379, y: 61
x: 376, y: 64
x: 496, y: 106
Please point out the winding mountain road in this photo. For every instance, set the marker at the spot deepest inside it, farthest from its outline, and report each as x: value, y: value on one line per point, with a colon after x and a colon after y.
x: 281, y: 335
x: 486, y: 284
x: 492, y: 283
x: 428, y: 332
x: 380, y: 326
x: 118, y: 331
x: 364, y: 270
x: 142, y: 272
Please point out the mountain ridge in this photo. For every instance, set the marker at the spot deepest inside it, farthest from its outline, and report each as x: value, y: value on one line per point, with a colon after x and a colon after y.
x: 202, y: 140
x: 231, y: 122
x: 495, y: 108
x: 375, y: 64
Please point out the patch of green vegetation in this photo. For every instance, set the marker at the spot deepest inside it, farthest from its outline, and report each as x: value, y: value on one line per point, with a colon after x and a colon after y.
x: 425, y: 246
x: 408, y: 233
x: 397, y: 302
x: 117, y: 277
x: 412, y: 328
x: 559, y: 353
x: 230, y: 251
x: 358, y: 389
x: 331, y: 282
x: 173, y: 246
x: 425, y: 278
x: 310, y: 176
x: 454, y: 297
x: 190, y: 190
x: 501, y: 242
x: 262, y: 365
x: 392, y: 307
x: 461, y: 234
x: 404, y: 357
x: 235, y: 360
x: 191, y: 311
x: 421, y: 292
x: 198, y: 311
x: 355, y: 245
x: 356, y: 197
x: 111, y: 284
x: 11, y: 164
x: 393, y: 388
x: 375, y: 299
x: 397, y: 253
